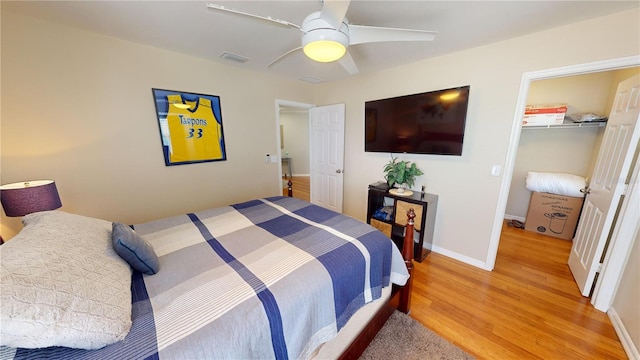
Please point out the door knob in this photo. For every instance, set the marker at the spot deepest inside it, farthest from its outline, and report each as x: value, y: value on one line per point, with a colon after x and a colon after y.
x: 586, y: 190
x: 339, y: 171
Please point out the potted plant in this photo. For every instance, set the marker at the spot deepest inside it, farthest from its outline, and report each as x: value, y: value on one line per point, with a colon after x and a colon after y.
x: 401, y: 172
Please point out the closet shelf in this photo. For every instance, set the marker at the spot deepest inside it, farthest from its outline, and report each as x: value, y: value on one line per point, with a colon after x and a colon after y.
x: 568, y: 124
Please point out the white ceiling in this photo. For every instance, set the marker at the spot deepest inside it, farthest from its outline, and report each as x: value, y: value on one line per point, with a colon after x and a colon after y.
x: 190, y: 28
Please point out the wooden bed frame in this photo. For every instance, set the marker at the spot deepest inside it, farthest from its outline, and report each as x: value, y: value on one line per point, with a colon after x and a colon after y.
x: 400, y: 295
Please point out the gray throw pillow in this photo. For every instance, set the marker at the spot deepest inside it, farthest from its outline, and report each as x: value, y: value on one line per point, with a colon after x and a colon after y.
x: 134, y: 249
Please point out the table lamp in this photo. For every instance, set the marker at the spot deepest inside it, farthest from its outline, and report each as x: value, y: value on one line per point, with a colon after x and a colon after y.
x: 22, y: 198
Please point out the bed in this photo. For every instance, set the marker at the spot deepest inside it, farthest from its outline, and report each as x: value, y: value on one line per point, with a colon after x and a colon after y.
x: 275, y: 277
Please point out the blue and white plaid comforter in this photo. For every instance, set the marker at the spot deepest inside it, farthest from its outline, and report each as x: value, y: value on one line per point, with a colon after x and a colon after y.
x: 269, y: 278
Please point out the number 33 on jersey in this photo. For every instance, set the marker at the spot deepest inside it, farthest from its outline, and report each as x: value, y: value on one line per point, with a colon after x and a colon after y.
x: 195, y: 133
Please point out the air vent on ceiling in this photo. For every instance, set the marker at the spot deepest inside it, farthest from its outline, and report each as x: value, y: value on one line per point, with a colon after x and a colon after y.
x: 311, y: 79
x: 234, y: 57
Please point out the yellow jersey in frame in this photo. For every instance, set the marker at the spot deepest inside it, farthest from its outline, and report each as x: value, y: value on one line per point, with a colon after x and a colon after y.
x: 195, y: 133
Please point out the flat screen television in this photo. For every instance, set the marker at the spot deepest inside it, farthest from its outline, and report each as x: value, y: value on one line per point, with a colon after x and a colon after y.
x: 426, y: 123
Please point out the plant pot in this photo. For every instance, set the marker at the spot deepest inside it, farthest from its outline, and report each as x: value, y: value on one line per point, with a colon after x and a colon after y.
x: 400, y: 187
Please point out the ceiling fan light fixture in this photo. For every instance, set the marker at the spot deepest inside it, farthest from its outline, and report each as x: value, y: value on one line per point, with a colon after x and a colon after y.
x: 324, y: 50
x: 327, y: 33
x: 322, y: 43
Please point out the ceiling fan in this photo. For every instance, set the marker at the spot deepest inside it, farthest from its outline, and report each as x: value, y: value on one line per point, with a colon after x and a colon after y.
x: 327, y: 34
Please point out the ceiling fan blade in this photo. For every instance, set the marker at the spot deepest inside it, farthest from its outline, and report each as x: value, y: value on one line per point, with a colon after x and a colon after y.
x: 283, y: 56
x: 348, y: 64
x: 264, y: 19
x: 334, y: 11
x: 359, y: 34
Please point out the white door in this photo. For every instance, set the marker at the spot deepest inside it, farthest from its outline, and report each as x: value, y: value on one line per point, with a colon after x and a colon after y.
x: 607, y: 184
x: 327, y: 155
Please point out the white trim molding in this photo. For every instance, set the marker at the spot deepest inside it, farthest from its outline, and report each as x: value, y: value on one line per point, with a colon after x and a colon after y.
x: 456, y: 256
x: 623, y: 335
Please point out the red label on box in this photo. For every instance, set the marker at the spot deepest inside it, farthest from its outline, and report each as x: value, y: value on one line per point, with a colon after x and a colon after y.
x: 545, y: 110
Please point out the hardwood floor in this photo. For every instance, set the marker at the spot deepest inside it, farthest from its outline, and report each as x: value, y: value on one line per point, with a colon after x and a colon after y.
x: 301, y: 186
x: 527, y: 308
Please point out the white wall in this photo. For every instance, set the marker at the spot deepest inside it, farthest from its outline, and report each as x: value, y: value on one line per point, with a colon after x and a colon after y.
x: 467, y: 192
x: 296, y: 139
x: 77, y: 108
x: 627, y: 297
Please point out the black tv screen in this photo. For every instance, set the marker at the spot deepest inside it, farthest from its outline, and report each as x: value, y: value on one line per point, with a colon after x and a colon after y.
x: 426, y: 123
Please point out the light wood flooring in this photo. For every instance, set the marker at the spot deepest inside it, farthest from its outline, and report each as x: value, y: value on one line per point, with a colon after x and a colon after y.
x: 301, y: 186
x: 528, y: 307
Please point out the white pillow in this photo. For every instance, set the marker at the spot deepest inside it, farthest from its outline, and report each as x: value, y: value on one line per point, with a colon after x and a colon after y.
x: 62, y: 284
x: 555, y: 183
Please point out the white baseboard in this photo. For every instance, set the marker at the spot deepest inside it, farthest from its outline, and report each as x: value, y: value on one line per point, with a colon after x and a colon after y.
x: 623, y: 335
x: 454, y: 255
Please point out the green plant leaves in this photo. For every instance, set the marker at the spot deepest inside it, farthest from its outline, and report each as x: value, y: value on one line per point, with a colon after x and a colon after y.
x: 401, y: 172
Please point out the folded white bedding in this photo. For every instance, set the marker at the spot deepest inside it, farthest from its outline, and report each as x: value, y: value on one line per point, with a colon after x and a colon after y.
x: 556, y: 183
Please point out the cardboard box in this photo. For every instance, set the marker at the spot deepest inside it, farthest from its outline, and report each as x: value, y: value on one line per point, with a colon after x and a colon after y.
x: 542, y: 119
x: 553, y: 215
x: 546, y: 109
x: 539, y: 115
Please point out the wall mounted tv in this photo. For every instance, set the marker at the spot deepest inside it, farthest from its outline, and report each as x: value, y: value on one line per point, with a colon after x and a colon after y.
x: 426, y: 123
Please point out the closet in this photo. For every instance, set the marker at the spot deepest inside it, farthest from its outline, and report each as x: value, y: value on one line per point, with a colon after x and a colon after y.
x: 570, y: 148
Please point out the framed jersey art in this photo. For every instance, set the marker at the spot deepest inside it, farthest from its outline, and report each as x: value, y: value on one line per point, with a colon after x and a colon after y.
x: 190, y: 127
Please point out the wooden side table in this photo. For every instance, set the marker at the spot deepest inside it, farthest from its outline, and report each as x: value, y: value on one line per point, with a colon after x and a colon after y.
x: 424, y: 205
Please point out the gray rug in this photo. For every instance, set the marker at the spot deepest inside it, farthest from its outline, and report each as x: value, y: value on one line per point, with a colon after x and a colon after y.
x: 405, y: 338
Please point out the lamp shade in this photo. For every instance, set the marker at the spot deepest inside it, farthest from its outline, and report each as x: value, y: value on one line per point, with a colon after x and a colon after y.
x: 22, y: 198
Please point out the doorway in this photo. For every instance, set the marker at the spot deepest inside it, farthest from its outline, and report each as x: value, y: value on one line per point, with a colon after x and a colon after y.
x: 295, y: 151
x: 527, y: 79
x: 570, y: 148
x: 293, y: 124
x: 326, y: 151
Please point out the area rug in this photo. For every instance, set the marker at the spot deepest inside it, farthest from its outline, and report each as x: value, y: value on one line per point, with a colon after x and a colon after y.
x: 405, y: 338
